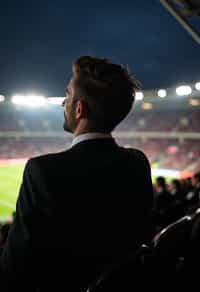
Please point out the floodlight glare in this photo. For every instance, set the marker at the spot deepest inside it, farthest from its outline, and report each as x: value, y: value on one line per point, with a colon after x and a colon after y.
x: 56, y: 100
x: 2, y: 98
x: 139, y: 95
x: 197, y: 85
x: 183, y: 90
x: 35, y: 100
x: 29, y: 100
x: 18, y: 99
x: 162, y: 93
x: 166, y: 173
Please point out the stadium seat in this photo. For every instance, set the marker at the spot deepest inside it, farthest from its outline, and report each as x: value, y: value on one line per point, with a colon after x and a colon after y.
x: 172, y: 241
x: 147, y: 267
x: 193, y: 255
x: 126, y: 275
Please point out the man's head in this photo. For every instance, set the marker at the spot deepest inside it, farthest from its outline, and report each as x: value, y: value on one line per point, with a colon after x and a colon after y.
x: 99, y: 96
x: 175, y: 186
x: 160, y: 183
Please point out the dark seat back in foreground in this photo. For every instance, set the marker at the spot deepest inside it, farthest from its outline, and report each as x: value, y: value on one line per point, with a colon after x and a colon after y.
x: 162, y: 261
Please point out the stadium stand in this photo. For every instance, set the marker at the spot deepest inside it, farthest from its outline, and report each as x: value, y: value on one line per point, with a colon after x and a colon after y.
x: 168, y: 131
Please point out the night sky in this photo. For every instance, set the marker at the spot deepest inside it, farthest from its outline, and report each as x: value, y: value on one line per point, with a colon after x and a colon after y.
x: 40, y: 39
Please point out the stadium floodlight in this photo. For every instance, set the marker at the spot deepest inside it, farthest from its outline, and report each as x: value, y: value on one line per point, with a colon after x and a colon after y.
x: 183, y: 90
x: 56, y: 100
x: 35, y: 100
x: 197, y: 85
x: 139, y: 95
x: 29, y: 100
x: 18, y: 99
x: 166, y: 173
x: 2, y: 98
x: 162, y: 93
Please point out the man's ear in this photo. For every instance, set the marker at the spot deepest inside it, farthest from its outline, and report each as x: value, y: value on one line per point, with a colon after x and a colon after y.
x: 80, y: 109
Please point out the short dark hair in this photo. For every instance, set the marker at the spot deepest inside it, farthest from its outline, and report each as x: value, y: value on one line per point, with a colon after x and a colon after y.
x: 161, y: 181
x: 108, y: 90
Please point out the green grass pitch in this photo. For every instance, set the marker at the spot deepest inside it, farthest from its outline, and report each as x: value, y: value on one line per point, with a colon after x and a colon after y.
x: 10, y: 181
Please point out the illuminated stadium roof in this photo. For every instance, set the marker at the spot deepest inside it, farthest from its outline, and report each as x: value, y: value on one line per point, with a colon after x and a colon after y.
x: 183, y: 96
x: 182, y: 10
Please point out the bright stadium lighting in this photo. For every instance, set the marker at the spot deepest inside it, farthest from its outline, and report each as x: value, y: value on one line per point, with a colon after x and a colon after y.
x: 166, y: 172
x: 29, y: 100
x: 197, y: 85
x: 183, y: 90
x: 56, y: 100
x: 18, y: 99
x: 162, y: 93
x: 139, y: 95
x: 35, y: 100
x: 2, y: 98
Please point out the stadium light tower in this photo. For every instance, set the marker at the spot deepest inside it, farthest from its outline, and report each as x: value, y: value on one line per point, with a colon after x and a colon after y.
x: 183, y: 90
x: 162, y: 93
x: 56, y: 100
x: 139, y: 95
x: 36, y: 100
x: 18, y: 99
x: 197, y: 85
x: 29, y: 100
x: 2, y: 98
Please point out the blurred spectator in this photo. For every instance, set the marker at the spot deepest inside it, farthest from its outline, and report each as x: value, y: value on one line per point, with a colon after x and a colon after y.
x: 196, y: 184
x: 163, y: 202
x: 176, y: 190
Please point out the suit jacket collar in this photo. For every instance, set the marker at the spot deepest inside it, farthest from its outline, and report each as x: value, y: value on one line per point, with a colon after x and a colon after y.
x: 90, y: 136
x: 95, y: 144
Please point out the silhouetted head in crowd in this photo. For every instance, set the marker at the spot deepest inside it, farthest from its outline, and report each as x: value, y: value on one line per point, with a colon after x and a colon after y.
x: 196, y: 179
x: 99, y: 96
x: 175, y: 186
x: 160, y: 184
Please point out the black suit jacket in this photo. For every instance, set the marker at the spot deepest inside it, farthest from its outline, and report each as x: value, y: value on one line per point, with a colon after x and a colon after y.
x: 77, y: 211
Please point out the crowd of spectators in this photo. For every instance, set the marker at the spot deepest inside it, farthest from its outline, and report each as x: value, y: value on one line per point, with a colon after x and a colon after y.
x: 51, y: 118
x: 175, y: 199
x: 13, y: 148
x: 159, y: 121
x: 22, y: 119
x: 169, y: 153
x: 163, y: 153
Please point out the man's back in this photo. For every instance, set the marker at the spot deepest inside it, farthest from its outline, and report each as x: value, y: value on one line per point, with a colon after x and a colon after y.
x: 98, y: 189
x: 87, y: 206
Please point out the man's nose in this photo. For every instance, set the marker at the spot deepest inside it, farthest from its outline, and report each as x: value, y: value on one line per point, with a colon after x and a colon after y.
x: 64, y: 100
